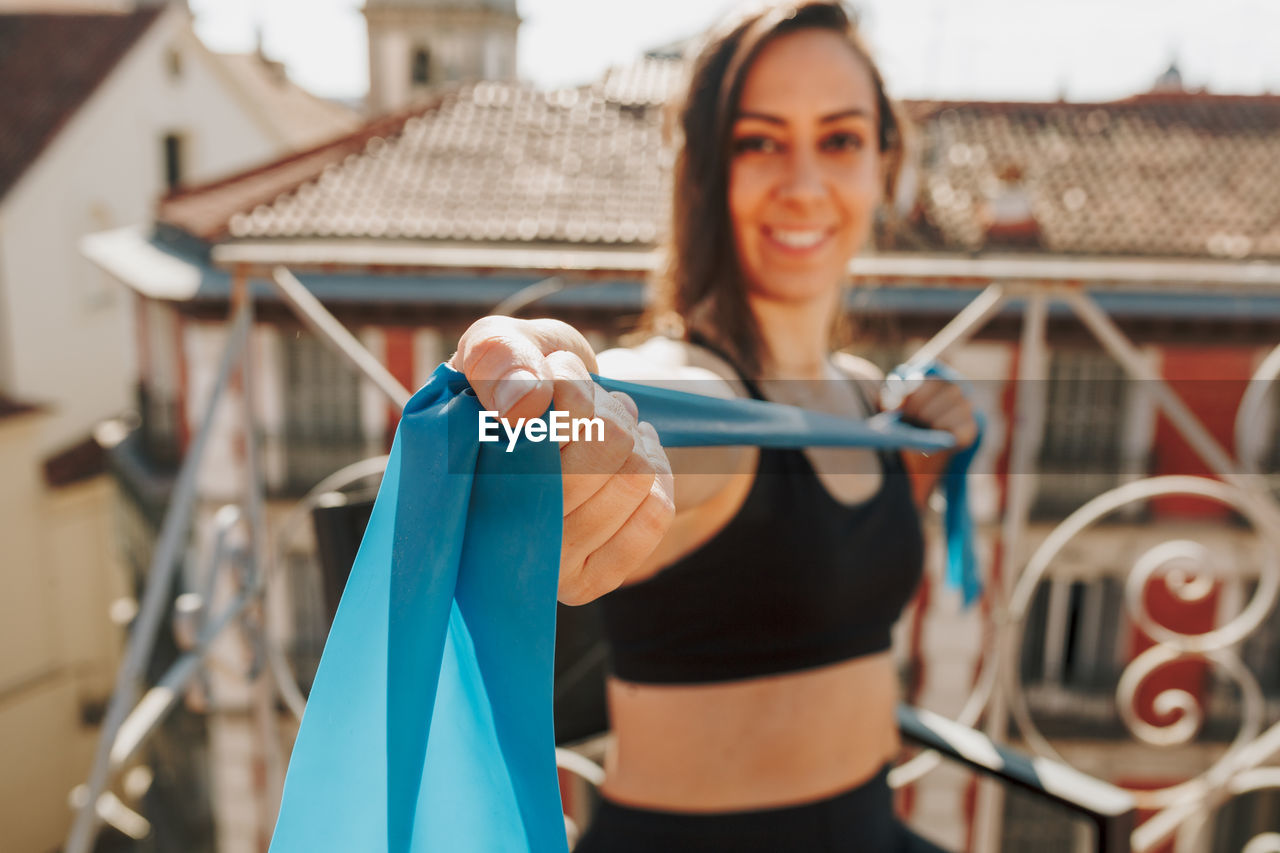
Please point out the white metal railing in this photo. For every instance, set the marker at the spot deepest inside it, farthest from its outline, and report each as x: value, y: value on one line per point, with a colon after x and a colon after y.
x: 123, y: 714
x: 997, y: 694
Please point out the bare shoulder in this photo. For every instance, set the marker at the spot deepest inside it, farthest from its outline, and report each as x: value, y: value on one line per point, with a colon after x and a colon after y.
x: 864, y: 373
x: 665, y: 362
x: 704, y: 476
x: 856, y: 367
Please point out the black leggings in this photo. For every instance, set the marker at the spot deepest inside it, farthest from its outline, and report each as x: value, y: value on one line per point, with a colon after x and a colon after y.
x: 855, y: 821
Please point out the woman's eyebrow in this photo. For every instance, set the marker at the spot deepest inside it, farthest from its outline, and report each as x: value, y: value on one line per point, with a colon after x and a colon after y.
x: 852, y: 112
x: 765, y: 117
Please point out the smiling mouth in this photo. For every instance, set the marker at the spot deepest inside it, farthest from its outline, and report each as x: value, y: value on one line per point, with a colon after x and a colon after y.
x: 798, y: 239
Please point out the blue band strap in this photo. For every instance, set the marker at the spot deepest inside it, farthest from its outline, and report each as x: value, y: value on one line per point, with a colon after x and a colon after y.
x: 962, y: 563
x: 429, y: 726
x: 694, y: 420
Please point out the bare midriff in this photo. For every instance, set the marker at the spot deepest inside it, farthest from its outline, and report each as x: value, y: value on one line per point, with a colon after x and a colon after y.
x: 758, y: 743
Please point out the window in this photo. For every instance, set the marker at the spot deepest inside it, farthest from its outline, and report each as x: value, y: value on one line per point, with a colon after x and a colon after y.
x: 322, y: 423
x: 1075, y: 635
x: 173, y: 160
x: 173, y: 64
x: 421, y: 67
x: 159, y: 391
x: 1087, y: 410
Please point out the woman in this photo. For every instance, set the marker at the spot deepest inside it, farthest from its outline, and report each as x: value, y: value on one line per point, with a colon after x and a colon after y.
x: 753, y: 693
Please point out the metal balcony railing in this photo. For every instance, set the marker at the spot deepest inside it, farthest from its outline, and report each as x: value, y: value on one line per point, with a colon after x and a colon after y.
x: 241, y: 549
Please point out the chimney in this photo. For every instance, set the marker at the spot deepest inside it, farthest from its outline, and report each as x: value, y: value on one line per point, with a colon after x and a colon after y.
x: 1170, y: 80
x: 1007, y: 212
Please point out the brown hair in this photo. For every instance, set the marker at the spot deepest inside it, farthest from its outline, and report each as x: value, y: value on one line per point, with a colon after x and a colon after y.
x: 700, y: 288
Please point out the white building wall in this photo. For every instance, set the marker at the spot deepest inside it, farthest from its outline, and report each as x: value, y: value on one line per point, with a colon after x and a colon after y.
x: 69, y: 328
x: 389, y: 57
x: 58, y: 648
x: 28, y: 634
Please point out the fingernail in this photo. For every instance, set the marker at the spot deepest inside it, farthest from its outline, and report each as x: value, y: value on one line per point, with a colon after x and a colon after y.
x: 628, y: 404
x: 646, y: 429
x: 512, y: 388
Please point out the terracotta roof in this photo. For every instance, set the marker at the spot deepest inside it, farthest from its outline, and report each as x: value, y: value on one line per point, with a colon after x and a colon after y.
x: 49, y: 65
x: 1157, y: 175
x: 488, y: 162
x: 508, y: 6
x: 205, y: 211
x: 302, y: 119
x: 1180, y: 174
x: 652, y: 80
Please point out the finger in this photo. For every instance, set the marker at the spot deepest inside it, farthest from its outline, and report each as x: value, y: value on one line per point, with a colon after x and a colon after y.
x: 627, y: 403
x: 942, y: 401
x: 585, y: 577
x: 587, y: 465
x: 961, y: 424
x: 553, y: 335
x: 910, y: 407
x: 917, y: 404
x: 609, y: 566
x: 573, y: 390
x: 601, y: 516
x: 657, y: 457
x: 505, y: 366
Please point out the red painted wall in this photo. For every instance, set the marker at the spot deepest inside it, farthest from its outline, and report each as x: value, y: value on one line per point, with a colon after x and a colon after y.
x: 399, y: 354
x: 1211, y: 381
x: 1188, y: 617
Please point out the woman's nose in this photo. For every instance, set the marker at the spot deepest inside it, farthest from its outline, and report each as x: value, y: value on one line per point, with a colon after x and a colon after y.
x: 802, y: 180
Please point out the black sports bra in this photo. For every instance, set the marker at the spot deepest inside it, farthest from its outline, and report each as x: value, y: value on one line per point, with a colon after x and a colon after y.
x: 796, y: 579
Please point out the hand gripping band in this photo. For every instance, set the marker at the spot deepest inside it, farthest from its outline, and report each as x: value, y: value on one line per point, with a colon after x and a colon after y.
x: 962, y: 563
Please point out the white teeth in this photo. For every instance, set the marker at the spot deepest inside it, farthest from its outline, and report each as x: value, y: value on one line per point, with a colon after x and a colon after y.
x: 798, y: 239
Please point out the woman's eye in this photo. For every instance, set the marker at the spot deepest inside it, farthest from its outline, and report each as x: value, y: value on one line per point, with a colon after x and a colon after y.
x: 843, y: 142
x: 755, y: 145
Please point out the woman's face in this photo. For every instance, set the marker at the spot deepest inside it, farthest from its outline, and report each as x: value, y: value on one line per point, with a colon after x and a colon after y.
x: 805, y: 174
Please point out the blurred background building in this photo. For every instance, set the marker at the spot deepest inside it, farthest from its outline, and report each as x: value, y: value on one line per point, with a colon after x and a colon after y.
x: 104, y: 111
x: 417, y: 44
x: 462, y: 188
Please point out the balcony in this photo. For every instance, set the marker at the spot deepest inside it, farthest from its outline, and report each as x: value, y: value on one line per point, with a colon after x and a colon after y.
x: 1116, y: 656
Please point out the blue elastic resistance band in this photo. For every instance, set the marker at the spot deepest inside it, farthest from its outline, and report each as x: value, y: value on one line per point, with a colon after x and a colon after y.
x: 429, y: 725
x: 957, y: 520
